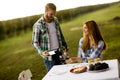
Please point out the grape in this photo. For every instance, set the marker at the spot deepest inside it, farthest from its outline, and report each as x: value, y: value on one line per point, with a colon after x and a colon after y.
x: 105, y: 65
x: 98, y: 66
x: 91, y: 67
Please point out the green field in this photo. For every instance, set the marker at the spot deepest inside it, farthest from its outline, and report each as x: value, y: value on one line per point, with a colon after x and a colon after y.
x: 17, y: 53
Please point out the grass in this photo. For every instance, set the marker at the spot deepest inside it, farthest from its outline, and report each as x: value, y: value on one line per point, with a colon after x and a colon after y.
x: 17, y: 53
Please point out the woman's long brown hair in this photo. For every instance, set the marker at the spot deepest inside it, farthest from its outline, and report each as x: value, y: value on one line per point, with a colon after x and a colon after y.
x: 95, y: 32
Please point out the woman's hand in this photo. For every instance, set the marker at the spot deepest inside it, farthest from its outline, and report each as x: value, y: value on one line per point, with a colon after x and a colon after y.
x: 69, y: 61
x: 74, y: 60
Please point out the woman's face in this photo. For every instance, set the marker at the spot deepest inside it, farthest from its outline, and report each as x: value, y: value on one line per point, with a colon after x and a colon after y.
x: 85, y: 30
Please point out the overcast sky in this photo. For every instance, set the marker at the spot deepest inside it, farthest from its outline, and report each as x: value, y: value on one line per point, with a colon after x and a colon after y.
x: 10, y: 9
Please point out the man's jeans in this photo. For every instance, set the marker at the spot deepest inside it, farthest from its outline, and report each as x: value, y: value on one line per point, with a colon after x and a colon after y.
x: 48, y: 64
x: 55, y: 60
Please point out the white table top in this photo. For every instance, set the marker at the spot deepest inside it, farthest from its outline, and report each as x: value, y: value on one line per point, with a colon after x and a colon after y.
x: 62, y: 72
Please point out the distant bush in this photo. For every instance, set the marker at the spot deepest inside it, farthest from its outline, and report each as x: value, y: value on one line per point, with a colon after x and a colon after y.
x: 14, y: 27
x: 2, y: 32
x: 65, y: 15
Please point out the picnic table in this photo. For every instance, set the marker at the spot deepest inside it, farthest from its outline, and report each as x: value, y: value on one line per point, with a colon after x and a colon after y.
x: 62, y: 72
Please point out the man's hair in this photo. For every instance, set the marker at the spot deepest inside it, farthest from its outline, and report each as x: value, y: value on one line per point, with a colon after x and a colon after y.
x: 50, y: 6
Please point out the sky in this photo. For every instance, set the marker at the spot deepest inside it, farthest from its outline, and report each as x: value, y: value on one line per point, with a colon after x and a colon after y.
x: 10, y: 9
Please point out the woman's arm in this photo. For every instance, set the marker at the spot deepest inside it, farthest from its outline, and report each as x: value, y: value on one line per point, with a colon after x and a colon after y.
x: 81, y: 54
x: 80, y: 48
x: 98, y: 50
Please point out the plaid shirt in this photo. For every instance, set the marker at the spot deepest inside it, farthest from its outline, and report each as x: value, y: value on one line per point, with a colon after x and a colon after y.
x: 92, y: 53
x: 41, y: 38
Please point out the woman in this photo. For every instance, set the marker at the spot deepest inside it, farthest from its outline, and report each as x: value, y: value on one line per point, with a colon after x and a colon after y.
x: 91, y: 44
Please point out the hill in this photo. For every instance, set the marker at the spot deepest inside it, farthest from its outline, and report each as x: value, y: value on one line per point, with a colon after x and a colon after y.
x: 15, y: 27
x: 17, y: 53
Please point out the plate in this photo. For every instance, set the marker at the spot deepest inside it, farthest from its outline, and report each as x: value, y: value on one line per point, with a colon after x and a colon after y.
x: 95, y: 71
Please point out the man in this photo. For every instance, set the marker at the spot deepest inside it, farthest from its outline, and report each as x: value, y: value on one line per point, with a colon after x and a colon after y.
x: 47, y: 36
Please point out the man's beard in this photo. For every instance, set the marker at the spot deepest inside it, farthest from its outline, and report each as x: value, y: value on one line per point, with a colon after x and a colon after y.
x: 50, y: 18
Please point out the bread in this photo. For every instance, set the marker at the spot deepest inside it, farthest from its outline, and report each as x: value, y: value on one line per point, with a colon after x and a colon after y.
x: 79, y: 69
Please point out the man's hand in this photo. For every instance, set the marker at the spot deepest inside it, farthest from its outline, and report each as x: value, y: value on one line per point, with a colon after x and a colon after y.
x: 45, y: 54
x: 66, y: 53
